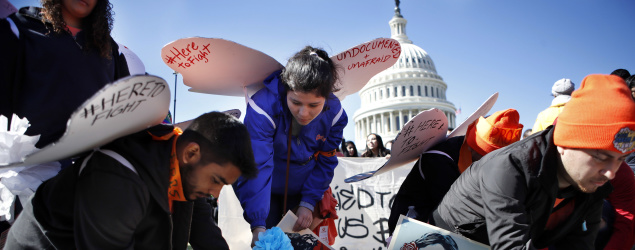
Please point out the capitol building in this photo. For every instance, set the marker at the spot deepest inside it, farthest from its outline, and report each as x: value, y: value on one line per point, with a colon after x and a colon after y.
x: 395, y: 95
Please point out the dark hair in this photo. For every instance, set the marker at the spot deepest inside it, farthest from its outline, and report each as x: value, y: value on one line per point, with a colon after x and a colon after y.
x: 630, y: 81
x: 310, y: 70
x: 429, y: 239
x: 222, y: 139
x: 96, y: 26
x: 346, y: 154
x: 382, y: 151
x: 621, y: 73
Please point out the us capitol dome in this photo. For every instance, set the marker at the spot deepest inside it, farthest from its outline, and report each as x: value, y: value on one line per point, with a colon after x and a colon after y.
x: 395, y: 95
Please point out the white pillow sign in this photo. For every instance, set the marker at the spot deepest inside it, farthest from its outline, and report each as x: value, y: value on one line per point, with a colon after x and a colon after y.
x: 418, y: 135
x: 126, y: 106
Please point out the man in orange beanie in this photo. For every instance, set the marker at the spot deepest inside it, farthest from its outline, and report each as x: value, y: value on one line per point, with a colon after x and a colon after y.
x: 548, y: 189
x: 436, y: 170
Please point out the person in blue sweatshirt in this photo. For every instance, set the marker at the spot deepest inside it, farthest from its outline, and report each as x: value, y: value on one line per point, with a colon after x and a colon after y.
x: 296, y: 125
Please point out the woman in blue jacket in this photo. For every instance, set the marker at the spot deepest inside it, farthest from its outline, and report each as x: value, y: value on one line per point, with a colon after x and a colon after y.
x: 297, y: 105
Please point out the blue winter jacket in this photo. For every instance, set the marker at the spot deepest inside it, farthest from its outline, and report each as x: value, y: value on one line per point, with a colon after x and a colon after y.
x: 268, y: 120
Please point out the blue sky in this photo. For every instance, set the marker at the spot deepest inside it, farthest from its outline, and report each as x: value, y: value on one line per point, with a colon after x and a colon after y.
x: 516, y: 48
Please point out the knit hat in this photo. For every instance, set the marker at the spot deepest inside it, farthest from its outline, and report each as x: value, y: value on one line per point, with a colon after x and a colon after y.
x: 496, y: 131
x: 600, y: 115
x: 563, y: 86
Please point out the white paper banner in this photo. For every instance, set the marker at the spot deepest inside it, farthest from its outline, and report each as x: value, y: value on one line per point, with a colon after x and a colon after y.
x: 363, y: 207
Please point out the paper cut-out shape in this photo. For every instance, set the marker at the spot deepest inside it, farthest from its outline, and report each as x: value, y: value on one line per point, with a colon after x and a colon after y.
x: 135, y: 65
x: 362, y: 62
x: 481, y: 111
x: 221, y: 67
x: 419, y: 134
x: 420, y: 141
x: 126, y: 106
x: 217, y: 66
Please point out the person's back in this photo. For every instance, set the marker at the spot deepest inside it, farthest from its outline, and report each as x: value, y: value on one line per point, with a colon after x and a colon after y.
x: 42, y: 67
x: 137, y: 192
x: 493, y: 192
x: 548, y: 189
x: 561, y: 90
x: 436, y: 170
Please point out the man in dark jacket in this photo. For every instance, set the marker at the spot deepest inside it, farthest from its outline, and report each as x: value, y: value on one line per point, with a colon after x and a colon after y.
x: 137, y: 192
x: 436, y: 170
x: 547, y: 189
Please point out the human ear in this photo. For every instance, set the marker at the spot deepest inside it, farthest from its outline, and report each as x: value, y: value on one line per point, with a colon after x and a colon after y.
x: 192, y: 153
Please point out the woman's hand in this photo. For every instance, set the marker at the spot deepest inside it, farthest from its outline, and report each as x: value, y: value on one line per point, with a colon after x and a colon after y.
x: 305, y: 217
x: 254, y: 233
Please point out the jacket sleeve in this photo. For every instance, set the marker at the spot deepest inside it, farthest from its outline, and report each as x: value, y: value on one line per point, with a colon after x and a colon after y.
x: 503, y: 203
x: 322, y: 174
x: 110, y: 201
x: 623, y: 200
x: 8, y: 64
x: 204, y: 233
x: 255, y: 194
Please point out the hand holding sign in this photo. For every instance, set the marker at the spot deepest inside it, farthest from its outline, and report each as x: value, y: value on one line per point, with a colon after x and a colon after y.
x: 121, y: 108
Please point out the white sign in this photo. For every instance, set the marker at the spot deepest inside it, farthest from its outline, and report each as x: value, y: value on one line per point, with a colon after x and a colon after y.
x: 363, y: 207
x: 481, y: 111
x: 221, y: 67
x: 364, y: 61
x: 217, y: 66
x: 412, y: 234
x: 126, y: 106
x: 419, y: 134
x: 135, y: 65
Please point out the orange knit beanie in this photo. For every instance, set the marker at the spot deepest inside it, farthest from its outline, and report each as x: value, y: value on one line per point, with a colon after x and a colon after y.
x: 600, y: 115
x: 498, y: 130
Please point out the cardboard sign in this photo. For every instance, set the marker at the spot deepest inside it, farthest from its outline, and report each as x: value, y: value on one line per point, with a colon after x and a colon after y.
x: 419, y: 134
x: 6, y: 9
x: 414, y: 234
x: 221, y: 67
x: 364, y: 61
x: 304, y: 239
x: 481, y: 111
x: 126, y: 106
x: 363, y: 207
x: 217, y: 66
x: 135, y: 65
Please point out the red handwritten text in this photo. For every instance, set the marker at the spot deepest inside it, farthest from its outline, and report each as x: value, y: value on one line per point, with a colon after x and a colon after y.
x: 188, y: 56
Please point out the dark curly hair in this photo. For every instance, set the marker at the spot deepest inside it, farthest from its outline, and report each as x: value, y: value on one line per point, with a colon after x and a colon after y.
x: 96, y: 26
